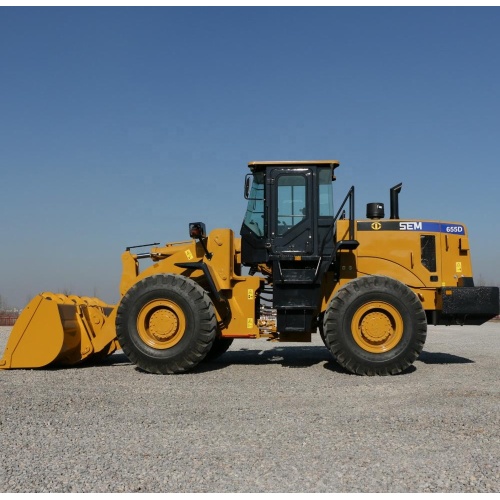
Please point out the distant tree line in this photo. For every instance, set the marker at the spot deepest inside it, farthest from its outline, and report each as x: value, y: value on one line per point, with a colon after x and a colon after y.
x: 5, y: 307
x: 8, y: 315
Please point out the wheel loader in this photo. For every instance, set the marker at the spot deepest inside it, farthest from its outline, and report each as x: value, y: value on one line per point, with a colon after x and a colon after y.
x: 368, y: 286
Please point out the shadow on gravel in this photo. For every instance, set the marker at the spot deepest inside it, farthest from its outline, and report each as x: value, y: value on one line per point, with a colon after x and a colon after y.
x: 305, y: 357
x: 288, y: 357
x: 115, y: 359
x: 442, y: 358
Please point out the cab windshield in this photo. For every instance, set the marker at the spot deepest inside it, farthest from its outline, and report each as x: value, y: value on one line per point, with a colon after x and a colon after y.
x: 254, y: 216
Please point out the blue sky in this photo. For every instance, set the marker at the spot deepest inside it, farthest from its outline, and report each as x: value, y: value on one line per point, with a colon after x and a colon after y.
x: 118, y: 126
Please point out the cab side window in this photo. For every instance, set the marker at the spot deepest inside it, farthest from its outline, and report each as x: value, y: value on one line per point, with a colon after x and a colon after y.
x: 291, y: 202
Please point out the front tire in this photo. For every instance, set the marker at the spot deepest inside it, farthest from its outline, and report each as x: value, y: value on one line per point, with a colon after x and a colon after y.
x: 219, y: 347
x: 375, y: 325
x: 166, y: 324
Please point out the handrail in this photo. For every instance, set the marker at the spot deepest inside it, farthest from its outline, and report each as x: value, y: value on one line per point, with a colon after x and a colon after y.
x: 350, y: 197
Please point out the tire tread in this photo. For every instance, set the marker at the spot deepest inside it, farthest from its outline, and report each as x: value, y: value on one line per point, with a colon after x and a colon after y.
x: 333, y: 326
x: 203, y: 337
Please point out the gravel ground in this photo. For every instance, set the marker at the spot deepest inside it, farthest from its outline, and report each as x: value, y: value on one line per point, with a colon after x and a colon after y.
x: 264, y: 417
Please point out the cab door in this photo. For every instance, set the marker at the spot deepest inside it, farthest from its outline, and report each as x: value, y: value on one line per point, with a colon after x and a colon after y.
x: 292, y: 211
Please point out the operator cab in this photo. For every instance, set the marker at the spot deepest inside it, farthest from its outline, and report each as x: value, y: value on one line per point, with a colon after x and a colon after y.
x: 289, y: 227
x: 290, y: 204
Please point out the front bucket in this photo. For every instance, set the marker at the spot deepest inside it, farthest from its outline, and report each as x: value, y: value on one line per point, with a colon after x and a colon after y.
x: 60, y: 329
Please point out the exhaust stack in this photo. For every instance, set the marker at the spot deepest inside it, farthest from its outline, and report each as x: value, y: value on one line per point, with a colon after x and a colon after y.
x: 395, y: 200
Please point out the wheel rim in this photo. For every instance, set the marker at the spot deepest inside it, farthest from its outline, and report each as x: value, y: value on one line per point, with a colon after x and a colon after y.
x: 377, y: 327
x: 161, y: 324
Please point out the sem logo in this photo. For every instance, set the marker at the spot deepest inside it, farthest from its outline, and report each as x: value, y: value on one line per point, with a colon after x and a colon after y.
x: 376, y: 226
x: 410, y: 226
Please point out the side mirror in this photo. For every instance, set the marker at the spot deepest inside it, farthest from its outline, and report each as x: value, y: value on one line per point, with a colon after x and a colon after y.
x: 197, y: 230
x: 247, y: 186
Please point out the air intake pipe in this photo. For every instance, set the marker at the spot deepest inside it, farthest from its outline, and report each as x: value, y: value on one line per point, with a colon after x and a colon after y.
x: 395, y: 200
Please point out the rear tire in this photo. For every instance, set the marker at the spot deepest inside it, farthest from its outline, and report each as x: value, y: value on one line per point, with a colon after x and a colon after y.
x: 321, y: 330
x: 166, y: 324
x: 375, y: 325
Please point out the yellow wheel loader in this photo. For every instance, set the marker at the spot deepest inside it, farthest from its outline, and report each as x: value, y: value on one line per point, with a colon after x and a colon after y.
x: 369, y: 287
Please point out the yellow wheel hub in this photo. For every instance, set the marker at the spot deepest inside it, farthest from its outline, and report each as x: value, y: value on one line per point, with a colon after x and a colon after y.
x: 161, y: 324
x: 377, y: 327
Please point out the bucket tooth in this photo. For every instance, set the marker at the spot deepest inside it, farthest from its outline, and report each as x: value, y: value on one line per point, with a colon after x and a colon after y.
x: 60, y: 329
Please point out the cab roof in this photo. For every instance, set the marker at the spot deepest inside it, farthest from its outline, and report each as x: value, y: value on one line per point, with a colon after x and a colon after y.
x: 333, y: 163
x: 261, y: 165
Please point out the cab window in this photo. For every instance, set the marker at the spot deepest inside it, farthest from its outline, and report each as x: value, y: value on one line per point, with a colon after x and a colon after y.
x: 291, y: 202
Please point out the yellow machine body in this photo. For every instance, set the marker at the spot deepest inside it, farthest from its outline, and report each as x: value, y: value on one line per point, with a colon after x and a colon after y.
x: 224, y: 268
x: 66, y: 330
x: 399, y: 254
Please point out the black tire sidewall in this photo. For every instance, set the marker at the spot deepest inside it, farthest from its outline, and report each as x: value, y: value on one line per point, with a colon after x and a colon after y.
x: 191, y: 319
x: 200, y: 325
x: 409, y: 327
x: 343, y: 307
